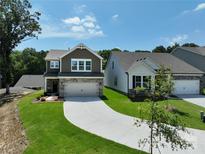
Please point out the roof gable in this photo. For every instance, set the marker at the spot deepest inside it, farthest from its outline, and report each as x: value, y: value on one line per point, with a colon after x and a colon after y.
x: 126, y: 59
x: 81, y: 46
x: 196, y: 50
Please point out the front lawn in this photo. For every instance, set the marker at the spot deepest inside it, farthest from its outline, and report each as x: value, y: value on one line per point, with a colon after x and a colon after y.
x: 188, y: 112
x: 49, y: 132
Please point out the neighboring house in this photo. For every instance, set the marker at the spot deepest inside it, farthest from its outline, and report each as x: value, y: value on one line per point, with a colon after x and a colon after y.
x: 74, y: 72
x: 0, y: 81
x: 30, y: 81
x: 127, y: 70
x: 192, y: 55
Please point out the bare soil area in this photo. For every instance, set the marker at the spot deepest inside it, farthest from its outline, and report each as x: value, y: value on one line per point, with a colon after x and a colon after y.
x: 12, y: 134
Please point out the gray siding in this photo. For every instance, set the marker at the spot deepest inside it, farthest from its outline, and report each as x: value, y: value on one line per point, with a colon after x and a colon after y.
x: 194, y: 59
x: 82, y: 54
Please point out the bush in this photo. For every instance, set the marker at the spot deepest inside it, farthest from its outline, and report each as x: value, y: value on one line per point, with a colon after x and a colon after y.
x: 140, y: 89
x: 203, y: 91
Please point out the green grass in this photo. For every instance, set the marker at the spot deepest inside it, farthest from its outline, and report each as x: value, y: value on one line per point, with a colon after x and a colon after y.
x: 49, y: 132
x: 188, y: 112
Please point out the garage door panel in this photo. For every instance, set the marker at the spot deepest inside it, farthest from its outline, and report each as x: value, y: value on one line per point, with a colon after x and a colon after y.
x: 81, y: 89
x: 186, y: 87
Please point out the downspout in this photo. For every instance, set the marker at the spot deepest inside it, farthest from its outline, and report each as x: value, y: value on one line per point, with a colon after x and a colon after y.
x: 127, y: 82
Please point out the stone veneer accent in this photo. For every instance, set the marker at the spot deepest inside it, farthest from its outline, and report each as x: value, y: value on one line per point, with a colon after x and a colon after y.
x: 63, y: 81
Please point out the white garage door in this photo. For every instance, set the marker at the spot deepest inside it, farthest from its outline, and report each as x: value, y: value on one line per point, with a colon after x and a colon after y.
x: 81, y: 89
x: 186, y: 86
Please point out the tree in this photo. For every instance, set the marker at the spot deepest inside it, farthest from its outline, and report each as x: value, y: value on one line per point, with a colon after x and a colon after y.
x: 25, y: 62
x: 142, y: 51
x: 160, y: 49
x: 171, y: 48
x: 163, y: 83
x: 17, y: 23
x: 190, y: 45
x: 164, y: 127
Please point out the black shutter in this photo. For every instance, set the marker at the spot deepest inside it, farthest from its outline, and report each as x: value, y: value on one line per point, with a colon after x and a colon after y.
x: 133, y: 81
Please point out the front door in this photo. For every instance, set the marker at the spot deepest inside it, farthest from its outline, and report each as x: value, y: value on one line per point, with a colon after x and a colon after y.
x: 55, y: 87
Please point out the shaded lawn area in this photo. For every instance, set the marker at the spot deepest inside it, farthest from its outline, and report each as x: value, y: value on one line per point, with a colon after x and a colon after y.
x: 49, y: 132
x: 188, y: 112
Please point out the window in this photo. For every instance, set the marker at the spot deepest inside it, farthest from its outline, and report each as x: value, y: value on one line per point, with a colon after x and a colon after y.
x: 147, y: 82
x: 81, y: 65
x: 115, y: 81
x: 74, y: 65
x: 142, y: 81
x: 54, y: 64
x: 138, y: 81
x: 113, y: 65
x: 88, y: 65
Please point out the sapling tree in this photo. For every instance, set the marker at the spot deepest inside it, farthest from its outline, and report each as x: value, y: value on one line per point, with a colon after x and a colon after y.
x: 163, y: 83
x: 165, y: 128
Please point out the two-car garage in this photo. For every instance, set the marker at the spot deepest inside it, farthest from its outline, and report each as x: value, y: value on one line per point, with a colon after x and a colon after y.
x: 77, y: 87
x: 186, y: 87
x: 81, y: 89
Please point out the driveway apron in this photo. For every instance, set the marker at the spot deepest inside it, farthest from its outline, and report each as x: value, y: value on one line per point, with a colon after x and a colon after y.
x: 195, y: 99
x: 93, y: 115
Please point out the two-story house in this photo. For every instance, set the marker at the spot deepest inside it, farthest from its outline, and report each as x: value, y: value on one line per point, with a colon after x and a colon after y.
x: 74, y: 72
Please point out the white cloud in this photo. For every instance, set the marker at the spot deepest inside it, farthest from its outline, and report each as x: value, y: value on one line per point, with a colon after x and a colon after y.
x: 200, y: 7
x: 74, y: 27
x: 77, y: 29
x: 176, y: 39
x: 115, y: 17
x: 89, y: 24
x: 89, y: 18
x: 73, y: 20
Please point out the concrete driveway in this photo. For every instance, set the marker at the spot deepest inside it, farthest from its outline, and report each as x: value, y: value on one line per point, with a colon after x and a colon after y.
x: 93, y: 115
x: 195, y: 99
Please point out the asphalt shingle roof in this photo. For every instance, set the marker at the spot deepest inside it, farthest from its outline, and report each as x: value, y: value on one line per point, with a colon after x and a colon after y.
x: 197, y: 50
x: 126, y: 59
x: 55, y: 54
x: 30, y: 81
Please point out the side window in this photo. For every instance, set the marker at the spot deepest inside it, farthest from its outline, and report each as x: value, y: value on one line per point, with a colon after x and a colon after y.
x: 113, y: 65
x: 54, y: 64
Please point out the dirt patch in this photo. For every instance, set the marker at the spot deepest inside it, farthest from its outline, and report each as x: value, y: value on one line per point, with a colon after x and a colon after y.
x: 13, y: 139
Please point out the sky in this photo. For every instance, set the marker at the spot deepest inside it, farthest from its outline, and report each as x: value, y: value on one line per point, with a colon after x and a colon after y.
x: 124, y: 24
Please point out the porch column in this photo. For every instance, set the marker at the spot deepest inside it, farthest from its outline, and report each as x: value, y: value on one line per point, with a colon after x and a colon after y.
x: 45, y: 85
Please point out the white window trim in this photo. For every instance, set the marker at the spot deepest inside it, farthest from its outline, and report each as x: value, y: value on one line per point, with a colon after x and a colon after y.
x: 54, y: 67
x: 142, y: 80
x: 84, y: 65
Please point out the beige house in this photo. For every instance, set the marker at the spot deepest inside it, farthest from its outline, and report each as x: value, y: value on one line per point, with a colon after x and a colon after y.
x: 74, y: 72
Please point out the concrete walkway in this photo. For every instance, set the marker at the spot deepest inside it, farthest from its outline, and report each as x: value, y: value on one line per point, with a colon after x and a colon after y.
x: 93, y: 115
x: 195, y: 99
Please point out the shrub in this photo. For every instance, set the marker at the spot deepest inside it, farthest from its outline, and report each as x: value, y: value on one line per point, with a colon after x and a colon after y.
x: 203, y: 91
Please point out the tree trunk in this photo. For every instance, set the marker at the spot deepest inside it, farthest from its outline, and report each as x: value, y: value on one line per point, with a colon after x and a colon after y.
x: 7, y: 89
